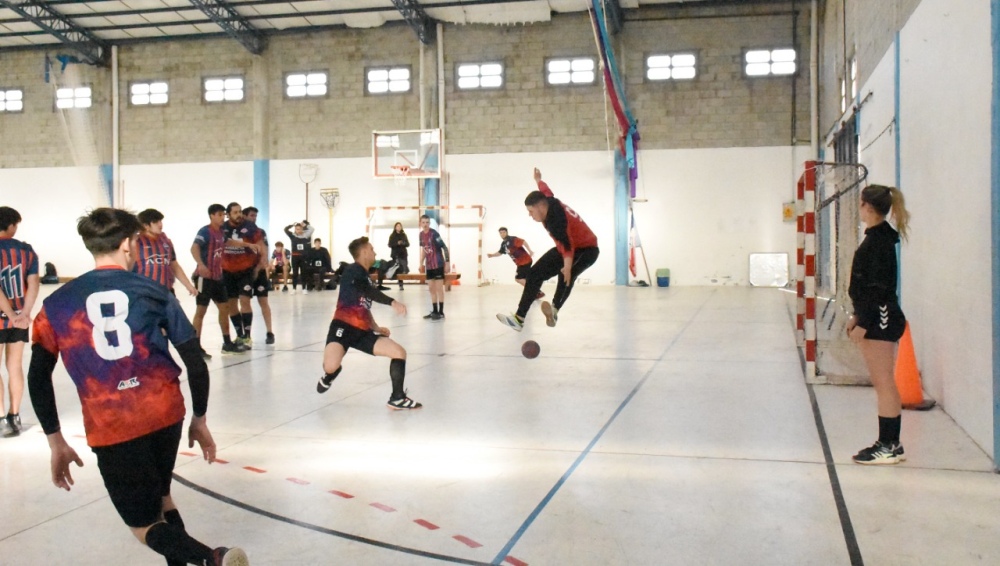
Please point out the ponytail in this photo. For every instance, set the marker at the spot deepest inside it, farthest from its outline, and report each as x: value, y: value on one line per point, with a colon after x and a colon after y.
x: 899, y: 213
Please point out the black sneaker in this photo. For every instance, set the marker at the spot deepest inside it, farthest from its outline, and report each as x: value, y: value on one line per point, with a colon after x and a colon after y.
x: 403, y: 403
x: 429, y: 316
x: 881, y: 454
x: 284, y: 289
x: 324, y: 383
x: 14, y: 424
x: 383, y: 288
x: 270, y: 338
x: 205, y: 355
x: 437, y: 316
x: 232, y: 348
x: 223, y: 556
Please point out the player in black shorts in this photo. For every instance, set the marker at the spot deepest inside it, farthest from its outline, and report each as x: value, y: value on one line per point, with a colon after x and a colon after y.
x: 878, y: 322
x: 354, y: 327
x: 262, y: 283
x: 19, y: 286
x: 111, y: 328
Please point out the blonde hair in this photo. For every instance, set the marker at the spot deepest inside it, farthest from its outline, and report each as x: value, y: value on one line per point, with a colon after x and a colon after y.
x: 885, y: 199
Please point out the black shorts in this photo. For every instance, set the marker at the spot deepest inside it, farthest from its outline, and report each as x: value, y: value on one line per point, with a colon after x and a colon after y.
x: 433, y: 274
x: 209, y: 290
x: 261, y: 285
x: 522, y: 271
x: 238, y: 283
x: 889, y: 324
x: 352, y: 337
x: 13, y: 335
x: 137, y: 473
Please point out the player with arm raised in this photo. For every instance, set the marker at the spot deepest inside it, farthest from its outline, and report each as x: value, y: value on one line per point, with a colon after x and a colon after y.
x: 576, y: 250
x: 354, y: 327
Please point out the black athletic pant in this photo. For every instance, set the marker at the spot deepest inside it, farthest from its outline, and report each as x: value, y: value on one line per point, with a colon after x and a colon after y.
x: 299, y: 271
x: 550, y: 265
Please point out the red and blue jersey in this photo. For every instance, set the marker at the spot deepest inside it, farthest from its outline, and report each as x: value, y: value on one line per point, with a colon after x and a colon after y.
x: 281, y: 257
x: 353, y: 303
x: 156, y: 253
x: 211, y: 242
x: 241, y: 258
x: 435, y: 252
x: 17, y: 261
x: 108, y: 325
x: 567, y: 229
x: 514, y: 247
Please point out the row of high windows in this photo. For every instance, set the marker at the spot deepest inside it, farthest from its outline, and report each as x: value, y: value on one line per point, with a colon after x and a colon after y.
x: 487, y: 75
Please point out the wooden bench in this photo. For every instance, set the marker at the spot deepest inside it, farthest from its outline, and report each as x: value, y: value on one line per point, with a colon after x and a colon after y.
x: 421, y: 278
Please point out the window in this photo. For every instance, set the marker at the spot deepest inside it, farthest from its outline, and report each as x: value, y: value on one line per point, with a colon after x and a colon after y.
x: 11, y: 100
x: 148, y: 93
x: 679, y: 66
x: 306, y: 85
x: 578, y: 70
x: 479, y: 75
x: 223, y: 89
x: 844, y: 100
x: 383, y: 80
x: 73, y: 97
x: 769, y: 62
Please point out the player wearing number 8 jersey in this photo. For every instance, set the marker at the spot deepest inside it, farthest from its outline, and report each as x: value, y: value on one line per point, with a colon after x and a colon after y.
x: 111, y: 328
x: 576, y: 250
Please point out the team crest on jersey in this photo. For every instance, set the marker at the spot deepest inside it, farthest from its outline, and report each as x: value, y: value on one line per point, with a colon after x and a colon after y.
x: 128, y: 383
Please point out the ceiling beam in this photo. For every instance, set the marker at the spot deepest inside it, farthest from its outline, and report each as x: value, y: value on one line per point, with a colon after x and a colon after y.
x: 235, y: 25
x: 418, y: 19
x: 93, y: 50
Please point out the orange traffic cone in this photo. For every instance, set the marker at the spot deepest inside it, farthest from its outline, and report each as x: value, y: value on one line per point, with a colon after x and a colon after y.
x: 908, y: 376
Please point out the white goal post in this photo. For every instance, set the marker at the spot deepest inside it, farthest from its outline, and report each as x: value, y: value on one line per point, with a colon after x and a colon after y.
x: 371, y: 211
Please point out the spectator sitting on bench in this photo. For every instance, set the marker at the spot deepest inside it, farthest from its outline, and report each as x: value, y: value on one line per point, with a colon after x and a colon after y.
x: 320, y: 271
x: 386, y: 269
x: 281, y: 260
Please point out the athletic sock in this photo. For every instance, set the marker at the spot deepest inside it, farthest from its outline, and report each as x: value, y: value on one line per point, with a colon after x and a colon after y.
x: 226, y: 339
x: 173, y: 517
x: 888, y: 429
x: 247, y: 321
x: 397, y: 370
x: 173, y: 543
x: 441, y: 307
x: 237, y: 320
x: 434, y: 307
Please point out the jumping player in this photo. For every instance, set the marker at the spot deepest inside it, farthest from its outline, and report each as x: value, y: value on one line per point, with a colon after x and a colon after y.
x: 520, y: 252
x: 157, y: 257
x: 19, y: 285
x: 433, y: 262
x: 111, y: 328
x: 575, y: 251
x: 240, y: 259
x: 262, y: 283
x: 354, y: 327
x: 207, y: 253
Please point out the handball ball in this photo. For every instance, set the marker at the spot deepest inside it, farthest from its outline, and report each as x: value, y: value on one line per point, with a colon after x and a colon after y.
x: 530, y: 349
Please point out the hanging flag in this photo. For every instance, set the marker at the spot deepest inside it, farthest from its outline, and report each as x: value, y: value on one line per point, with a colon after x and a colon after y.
x: 633, y: 243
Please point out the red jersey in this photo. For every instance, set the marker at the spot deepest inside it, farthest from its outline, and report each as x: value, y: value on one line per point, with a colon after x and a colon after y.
x: 156, y: 253
x: 514, y: 247
x: 240, y: 258
x: 565, y: 226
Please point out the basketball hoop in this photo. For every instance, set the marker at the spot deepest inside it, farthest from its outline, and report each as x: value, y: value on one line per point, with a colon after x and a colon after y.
x: 400, y: 175
x: 330, y: 197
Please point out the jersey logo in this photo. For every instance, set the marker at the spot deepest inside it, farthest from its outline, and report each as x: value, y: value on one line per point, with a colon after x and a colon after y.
x: 128, y: 384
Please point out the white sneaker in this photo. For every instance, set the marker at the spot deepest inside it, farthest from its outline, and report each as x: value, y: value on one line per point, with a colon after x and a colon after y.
x: 292, y: 292
x: 305, y: 291
x: 512, y: 321
x: 551, y: 313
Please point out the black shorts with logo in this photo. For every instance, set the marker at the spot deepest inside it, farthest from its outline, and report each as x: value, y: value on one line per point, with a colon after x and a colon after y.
x: 351, y: 337
x: 522, y: 271
x: 889, y: 325
x: 261, y: 285
x: 209, y: 290
x: 238, y: 283
x: 137, y: 473
x: 433, y: 274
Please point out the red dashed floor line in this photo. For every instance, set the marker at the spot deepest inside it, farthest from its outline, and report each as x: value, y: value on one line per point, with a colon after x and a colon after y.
x: 380, y: 506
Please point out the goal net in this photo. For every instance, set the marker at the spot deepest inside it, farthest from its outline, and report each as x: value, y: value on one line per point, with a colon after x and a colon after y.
x: 828, y: 241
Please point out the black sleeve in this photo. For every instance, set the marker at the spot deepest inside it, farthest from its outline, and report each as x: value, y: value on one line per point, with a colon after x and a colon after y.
x: 198, y: 380
x: 444, y: 249
x: 555, y: 223
x: 406, y: 240
x: 43, y: 395
x: 371, y: 292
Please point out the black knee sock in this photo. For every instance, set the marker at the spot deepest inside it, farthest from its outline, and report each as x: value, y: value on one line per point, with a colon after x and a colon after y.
x: 434, y: 307
x: 888, y: 429
x: 397, y: 370
x: 237, y: 320
x: 226, y: 339
x: 173, y: 517
x: 247, y: 321
x: 172, y: 542
x: 440, y: 307
x: 331, y: 376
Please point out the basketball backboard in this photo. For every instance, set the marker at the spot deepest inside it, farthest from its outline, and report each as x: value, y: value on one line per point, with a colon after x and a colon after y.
x: 414, y: 154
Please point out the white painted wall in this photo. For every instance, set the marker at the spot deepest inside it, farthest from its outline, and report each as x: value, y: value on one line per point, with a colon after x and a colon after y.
x: 946, y: 81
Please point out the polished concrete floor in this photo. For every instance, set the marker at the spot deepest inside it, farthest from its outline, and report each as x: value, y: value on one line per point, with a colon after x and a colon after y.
x: 658, y: 426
